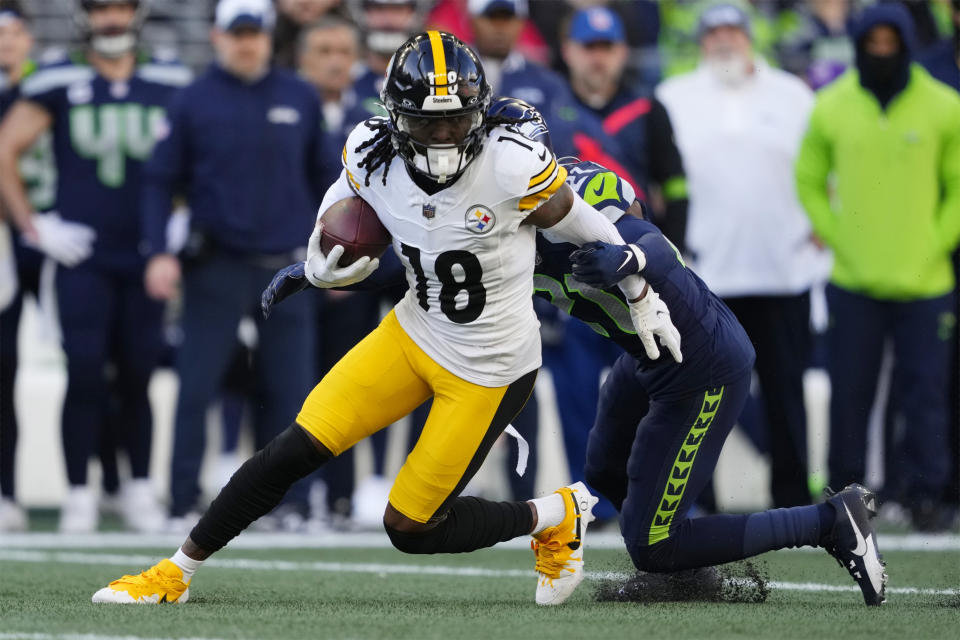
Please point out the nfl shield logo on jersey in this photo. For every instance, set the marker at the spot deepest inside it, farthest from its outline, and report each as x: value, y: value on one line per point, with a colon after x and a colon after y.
x: 480, y: 219
x: 429, y: 211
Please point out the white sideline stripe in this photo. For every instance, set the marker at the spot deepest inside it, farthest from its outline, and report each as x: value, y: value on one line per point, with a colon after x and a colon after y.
x: 375, y: 540
x: 84, y: 636
x: 386, y: 569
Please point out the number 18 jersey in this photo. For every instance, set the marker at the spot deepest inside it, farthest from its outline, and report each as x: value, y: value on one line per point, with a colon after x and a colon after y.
x: 469, y: 261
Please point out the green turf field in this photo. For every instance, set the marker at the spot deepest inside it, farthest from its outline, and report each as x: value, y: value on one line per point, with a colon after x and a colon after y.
x: 382, y: 594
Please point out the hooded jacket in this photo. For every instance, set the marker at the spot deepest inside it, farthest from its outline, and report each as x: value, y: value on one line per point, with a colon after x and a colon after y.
x: 884, y: 77
x: 895, y: 214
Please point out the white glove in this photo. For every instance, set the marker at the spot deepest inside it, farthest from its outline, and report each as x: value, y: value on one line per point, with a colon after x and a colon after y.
x: 651, y: 318
x: 322, y: 271
x: 69, y: 243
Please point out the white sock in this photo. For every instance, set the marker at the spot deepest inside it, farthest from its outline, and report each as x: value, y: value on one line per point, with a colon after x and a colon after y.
x: 551, y: 511
x: 186, y: 564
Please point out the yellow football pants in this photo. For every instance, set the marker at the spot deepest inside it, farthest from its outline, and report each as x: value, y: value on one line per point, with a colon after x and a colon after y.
x: 385, y: 377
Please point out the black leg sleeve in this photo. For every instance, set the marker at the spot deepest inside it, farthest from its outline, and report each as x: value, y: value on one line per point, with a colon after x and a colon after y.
x: 257, y: 487
x: 470, y: 524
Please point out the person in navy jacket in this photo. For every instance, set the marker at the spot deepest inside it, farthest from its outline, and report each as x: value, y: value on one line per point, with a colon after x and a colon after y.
x: 244, y: 144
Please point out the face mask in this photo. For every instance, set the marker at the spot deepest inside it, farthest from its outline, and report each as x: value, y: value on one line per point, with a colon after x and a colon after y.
x: 879, y: 70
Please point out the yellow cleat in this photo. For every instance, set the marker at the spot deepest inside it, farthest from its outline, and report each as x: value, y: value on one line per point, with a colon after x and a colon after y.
x: 162, y: 582
x: 559, y: 549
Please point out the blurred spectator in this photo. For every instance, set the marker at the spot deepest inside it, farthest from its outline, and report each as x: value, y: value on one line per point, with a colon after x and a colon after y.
x: 888, y: 133
x: 244, y: 142
x: 104, y: 108
x: 384, y: 25
x: 496, y: 25
x: 292, y: 17
x: 459, y: 18
x: 641, y: 19
x: 329, y: 51
x: 772, y: 22
x: 595, y: 51
x: 574, y: 130
x: 37, y: 172
x: 820, y: 50
x: 739, y: 123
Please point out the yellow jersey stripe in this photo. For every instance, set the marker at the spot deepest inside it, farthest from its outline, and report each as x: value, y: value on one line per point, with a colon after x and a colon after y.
x: 534, y: 200
x: 439, y: 63
x: 353, y: 181
x: 544, y: 177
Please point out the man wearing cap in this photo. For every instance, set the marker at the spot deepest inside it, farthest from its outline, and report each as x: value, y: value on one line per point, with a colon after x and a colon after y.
x: 739, y: 123
x: 244, y: 145
x: 38, y: 174
x: 595, y: 51
x: 103, y: 105
x: 886, y: 135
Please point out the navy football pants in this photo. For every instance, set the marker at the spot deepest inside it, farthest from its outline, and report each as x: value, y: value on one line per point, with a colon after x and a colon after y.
x: 921, y: 331
x: 652, y: 458
x: 106, y: 318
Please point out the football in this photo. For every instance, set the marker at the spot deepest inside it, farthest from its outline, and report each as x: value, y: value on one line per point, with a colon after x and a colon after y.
x: 353, y: 223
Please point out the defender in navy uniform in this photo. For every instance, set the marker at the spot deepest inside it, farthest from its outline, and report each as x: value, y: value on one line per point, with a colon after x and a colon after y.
x: 104, y: 105
x: 661, y: 425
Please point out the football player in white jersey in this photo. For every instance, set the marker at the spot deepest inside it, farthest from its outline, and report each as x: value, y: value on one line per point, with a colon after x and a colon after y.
x: 461, y: 197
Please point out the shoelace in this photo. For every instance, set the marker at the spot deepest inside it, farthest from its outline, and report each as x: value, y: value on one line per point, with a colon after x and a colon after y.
x: 552, y: 558
x: 153, y: 577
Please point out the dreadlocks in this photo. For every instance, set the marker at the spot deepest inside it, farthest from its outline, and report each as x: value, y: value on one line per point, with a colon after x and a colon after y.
x: 382, y: 149
x: 382, y: 152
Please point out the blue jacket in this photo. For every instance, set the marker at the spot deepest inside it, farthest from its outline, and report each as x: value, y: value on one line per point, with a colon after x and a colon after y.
x: 249, y: 158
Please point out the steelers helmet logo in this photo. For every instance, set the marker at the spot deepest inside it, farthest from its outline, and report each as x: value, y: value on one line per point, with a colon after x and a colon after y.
x: 480, y: 219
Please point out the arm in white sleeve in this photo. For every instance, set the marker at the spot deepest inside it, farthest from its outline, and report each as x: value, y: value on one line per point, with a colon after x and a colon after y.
x: 337, y: 191
x: 584, y: 224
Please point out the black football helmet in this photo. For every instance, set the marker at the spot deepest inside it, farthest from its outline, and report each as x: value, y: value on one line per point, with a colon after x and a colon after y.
x: 437, y: 97
x: 115, y: 41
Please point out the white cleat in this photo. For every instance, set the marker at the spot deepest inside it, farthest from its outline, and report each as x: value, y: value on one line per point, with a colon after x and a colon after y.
x: 80, y: 512
x: 140, y: 508
x: 559, y: 549
x: 12, y: 516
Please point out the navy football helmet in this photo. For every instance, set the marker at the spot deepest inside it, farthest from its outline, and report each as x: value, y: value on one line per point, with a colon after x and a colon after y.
x: 528, y: 120
x: 437, y: 96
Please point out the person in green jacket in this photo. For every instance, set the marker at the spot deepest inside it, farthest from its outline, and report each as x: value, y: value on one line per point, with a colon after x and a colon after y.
x: 879, y: 175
